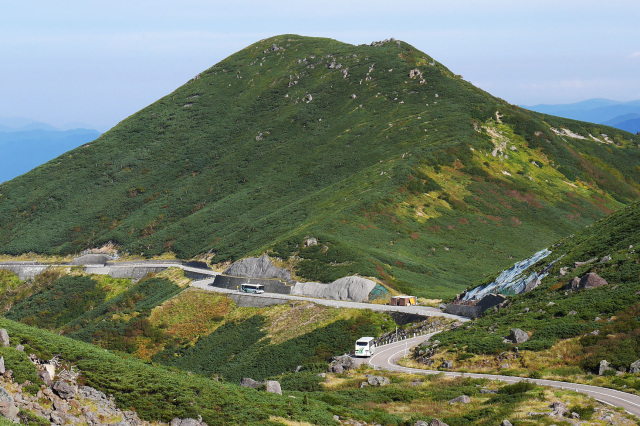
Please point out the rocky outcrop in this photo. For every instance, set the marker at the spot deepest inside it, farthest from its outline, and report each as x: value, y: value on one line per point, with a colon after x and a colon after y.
x: 341, y: 364
x: 592, y: 280
x: 8, y: 407
x: 63, y: 389
x: 634, y: 368
x: 377, y: 380
x: 187, y: 422
x: 355, y: 289
x: 588, y: 281
x: 559, y: 409
x: 92, y: 259
x: 604, y: 366
x: 258, y: 267
x: 248, y: 382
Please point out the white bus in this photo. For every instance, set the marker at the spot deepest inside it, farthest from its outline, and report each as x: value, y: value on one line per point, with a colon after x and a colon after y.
x: 365, y: 346
x: 252, y: 288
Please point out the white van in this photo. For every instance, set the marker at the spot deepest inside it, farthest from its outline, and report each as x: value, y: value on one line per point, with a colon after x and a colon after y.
x: 365, y: 346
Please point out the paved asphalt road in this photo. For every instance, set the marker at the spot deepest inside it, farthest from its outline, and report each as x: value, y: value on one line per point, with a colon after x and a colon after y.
x: 420, y: 310
x: 386, y: 357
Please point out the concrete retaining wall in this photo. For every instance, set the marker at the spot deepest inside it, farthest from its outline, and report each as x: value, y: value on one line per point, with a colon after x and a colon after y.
x: 259, y: 301
x: 270, y: 285
x: 133, y: 272
x: 25, y: 272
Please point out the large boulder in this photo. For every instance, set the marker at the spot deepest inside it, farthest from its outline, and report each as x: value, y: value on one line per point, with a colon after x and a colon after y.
x: 249, y: 383
x: 258, y: 267
x: 353, y: 288
x: 592, y: 280
x: 634, y: 368
x: 4, y: 338
x: 8, y: 407
x: 63, y: 389
x: 463, y: 399
x: 342, y: 363
x: 604, y: 366
x: 273, y: 386
x: 559, y: 409
x: 518, y: 336
x: 378, y: 381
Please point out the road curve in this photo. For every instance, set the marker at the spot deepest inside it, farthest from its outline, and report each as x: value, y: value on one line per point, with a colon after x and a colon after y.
x: 419, y: 310
x: 386, y: 358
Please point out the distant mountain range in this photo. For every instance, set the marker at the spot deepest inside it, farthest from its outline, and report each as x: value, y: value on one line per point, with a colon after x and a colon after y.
x: 35, y: 144
x: 622, y: 115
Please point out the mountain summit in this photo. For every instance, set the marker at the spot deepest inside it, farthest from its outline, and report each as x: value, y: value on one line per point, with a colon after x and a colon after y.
x: 339, y: 159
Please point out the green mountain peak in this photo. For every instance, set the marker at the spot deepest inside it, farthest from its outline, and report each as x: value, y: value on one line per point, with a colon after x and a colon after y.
x: 398, y: 167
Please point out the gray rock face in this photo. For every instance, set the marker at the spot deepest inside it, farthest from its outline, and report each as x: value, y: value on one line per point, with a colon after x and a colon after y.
x: 574, y: 284
x: 518, y: 336
x: 447, y: 364
x: 64, y: 389
x: 532, y: 283
x: 249, y: 383
x: 634, y: 368
x: 4, y: 337
x: 464, y: 399
x: 355, y: 289
x: 258, y: 267
x: 8, y: 407
x: 273, y: 386
x: 186, y: 422
x: 592, y: 280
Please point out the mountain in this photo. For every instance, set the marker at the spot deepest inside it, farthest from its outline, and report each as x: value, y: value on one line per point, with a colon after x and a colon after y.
x: 395, y: 166
x: 622, y: 115
x: 26, y: 149
x: 629, y: 122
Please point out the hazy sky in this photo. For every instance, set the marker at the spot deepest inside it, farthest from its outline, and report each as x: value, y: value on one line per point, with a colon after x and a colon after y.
x: 97, y: 62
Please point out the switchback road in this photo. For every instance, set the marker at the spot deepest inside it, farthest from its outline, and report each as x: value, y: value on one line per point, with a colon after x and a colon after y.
x: 386, y: 358
x: 418, y: 310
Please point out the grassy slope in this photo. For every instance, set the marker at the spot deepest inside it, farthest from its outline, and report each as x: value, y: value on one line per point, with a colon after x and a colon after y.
x: 398, y: 182
x: 560, y: 322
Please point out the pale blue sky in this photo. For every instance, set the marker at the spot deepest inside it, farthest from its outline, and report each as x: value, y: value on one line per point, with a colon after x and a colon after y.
x: 97, y: 62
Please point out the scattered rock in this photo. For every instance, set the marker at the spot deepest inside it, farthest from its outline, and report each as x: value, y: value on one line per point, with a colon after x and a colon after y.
x: 506, y: 423
x: 518, y: 336
x: 8, y: 407
x: 309, y: 242
x: 604, y: 366
x: 2, y: 367
x: 578, y: 264
x: 447, y: 364
x: 363, y: 385
x: 634, y: 368
x: 273, y: 386
x: 4, y: 337
x: 57, y: 419
x: 249, y: 383
x: 437, y: 422
x: 483, y: 391
x: 574, y: 284
x: 563, y: 271
x: 19, y: 348
x: 187, y: 422
x: 308, y: 98
x: 575, y: 415
x: 605, y: 259
x: 559, y: 409
x: 378, y: 381
x: 64, y: 389
x: 464, y: 399
x: 572, y: 313
x: 421, y: 423
x: 592, y: 280
x: 341, y: 364
x: 45, y: 377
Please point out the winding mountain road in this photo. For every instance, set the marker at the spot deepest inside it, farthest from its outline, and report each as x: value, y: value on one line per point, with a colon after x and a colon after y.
x: 386, y: 358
